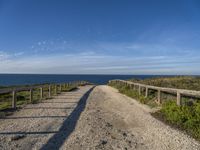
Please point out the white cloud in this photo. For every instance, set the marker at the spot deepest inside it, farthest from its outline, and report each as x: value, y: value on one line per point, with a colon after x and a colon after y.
x: 3, y: 56
x: 93, y: 63
x: 100, y: 58
x: 17, y: 54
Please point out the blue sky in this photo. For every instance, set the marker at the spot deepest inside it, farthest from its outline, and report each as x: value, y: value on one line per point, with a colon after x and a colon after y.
x: 100, y: 36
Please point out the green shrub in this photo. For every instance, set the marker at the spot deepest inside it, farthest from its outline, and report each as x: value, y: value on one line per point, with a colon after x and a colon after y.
x: 172, y: 112
x: 127, y: 90
x: 21, y: 97
x: 185, y: 117
x: 180, y: 82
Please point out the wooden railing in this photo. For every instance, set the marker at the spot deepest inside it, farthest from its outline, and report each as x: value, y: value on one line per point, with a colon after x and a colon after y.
x: 178, y: 92
x: 57, y: 87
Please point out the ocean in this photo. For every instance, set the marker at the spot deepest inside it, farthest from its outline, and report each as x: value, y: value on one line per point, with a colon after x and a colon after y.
x: 27, y: 79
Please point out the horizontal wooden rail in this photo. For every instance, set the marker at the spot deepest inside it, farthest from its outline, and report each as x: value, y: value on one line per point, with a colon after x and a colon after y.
x: 58, y: 88
x: 178, y: 92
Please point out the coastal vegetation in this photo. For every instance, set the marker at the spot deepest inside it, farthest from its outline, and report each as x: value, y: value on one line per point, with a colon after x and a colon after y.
x: 127, y: 90
x: 185, y: 117
x: 23, y: 97
x: 179, y: 82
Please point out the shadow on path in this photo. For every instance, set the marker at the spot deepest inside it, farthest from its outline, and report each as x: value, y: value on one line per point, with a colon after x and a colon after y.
x: 48, y: 108
x: 68, y: 126
x: 28, y: 133
x: 61, y: 102
x: 33, y: 117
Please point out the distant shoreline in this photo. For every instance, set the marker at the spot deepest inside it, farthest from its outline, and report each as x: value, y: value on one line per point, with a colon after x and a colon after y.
x: 30, y: 79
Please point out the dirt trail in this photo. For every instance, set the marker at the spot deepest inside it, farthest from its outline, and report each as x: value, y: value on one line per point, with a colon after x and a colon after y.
x: 35, y: 125
x: 113, y: 121
x: 102, y: 119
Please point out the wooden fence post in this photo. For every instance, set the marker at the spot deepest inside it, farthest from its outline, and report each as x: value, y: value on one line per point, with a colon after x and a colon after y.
x: 60, y: 88
x: 31, y: 95
x: 41, y: 93
x: 178, y: 101
x: 133, y: 86
x: 49, y: 91
x: 130, y: 86
x: 14, y: 100
x: 159, y: 97
x: 139, y: 90
x: 146, y: 92
x: 56, y: 89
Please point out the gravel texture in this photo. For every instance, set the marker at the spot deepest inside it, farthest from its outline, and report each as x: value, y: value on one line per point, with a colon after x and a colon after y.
x: 102, y: 119
x: 114, y: 121
x: 33, y: 126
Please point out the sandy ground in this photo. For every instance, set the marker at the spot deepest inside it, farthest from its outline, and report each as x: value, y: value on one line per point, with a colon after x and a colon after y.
x: 35, y: 125
x: 80, y: 120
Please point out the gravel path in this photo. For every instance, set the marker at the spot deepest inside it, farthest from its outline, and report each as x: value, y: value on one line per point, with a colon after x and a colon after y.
x: 113, y: 121
x: 33, y: 126
x: 102, y: 119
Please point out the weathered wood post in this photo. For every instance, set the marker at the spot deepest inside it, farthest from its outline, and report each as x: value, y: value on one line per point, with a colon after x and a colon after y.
x: 41, y: 93
x: 178, y: 101
x: 130, y: 85
x: 146, y: 92
x: 60, y: 88
x: 49, y: 91
x: 139, y: 90
x: 55, y: 89
x: 159, y: 97
x: 14, y: 100
x: 31, y: 95
x: 65, y: 86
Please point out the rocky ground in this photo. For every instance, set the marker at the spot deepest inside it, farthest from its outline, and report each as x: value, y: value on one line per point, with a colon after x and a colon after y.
x: 102, y: 119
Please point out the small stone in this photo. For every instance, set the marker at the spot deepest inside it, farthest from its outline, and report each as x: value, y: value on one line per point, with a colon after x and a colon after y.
x: 108, y: 124
x: 17, y: 137
x: 124, y: 134
x: 104, y: 142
